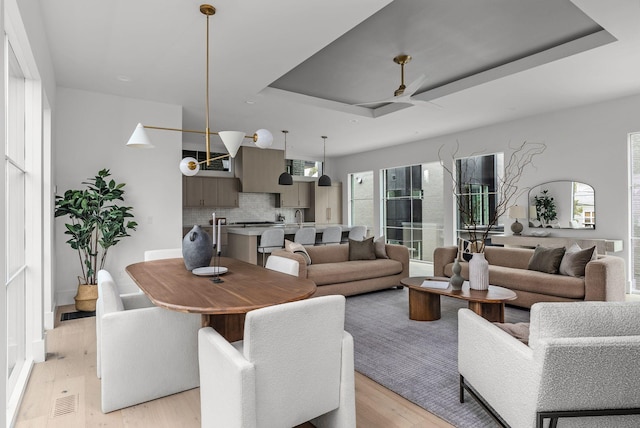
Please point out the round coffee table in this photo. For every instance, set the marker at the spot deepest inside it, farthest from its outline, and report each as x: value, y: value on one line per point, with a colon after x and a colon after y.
x: 424, y: 302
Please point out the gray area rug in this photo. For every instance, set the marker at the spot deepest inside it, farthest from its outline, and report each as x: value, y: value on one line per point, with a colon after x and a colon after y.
x: 416, y: 359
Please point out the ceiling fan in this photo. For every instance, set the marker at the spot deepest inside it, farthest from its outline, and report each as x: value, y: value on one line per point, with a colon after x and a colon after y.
x: 404, y: 94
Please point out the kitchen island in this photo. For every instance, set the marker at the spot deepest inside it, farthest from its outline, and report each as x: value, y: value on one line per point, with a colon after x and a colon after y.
x: 242, y: 242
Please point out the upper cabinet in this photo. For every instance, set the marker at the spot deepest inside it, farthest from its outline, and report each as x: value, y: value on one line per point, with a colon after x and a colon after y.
x: 259, y: 169
x: 326, y: 204
x: 294, y: 196
x: 210, y: 192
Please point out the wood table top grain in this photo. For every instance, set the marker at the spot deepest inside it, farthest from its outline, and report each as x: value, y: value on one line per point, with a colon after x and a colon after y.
x: 246, y: 287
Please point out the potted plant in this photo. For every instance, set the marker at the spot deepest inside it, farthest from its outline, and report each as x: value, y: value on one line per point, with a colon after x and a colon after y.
x: 98, y: 222
x: 545, y: 208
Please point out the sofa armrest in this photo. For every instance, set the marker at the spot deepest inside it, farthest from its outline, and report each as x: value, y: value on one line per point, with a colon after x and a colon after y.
x: 401, y: 254
x: 604, y: 279
x: 442, y: 256
x: 302, y: 263
x: 499, y: 367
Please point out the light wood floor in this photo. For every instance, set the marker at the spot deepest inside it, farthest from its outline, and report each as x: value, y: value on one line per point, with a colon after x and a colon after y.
x: 65, y: 392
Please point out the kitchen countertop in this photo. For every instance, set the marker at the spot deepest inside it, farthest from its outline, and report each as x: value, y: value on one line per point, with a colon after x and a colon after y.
x: 289, y: 228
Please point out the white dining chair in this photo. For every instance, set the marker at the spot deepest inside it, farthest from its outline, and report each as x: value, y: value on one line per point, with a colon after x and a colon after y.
x: 168, y: 253
x: 144, y: 352
x: 331, y: 235
x: 283, y: 264
x: 294, y: 365
x: 305, y: 236
x: 270, y: 240
x: 357, y: 233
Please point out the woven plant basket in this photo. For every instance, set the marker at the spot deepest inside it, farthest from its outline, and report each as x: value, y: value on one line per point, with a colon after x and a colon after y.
x: 86, y: 297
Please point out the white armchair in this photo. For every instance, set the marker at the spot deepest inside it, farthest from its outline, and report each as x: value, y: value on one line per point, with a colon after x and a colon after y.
x: 295, y: 364
x: 580, y: 368
x: 144, y: 352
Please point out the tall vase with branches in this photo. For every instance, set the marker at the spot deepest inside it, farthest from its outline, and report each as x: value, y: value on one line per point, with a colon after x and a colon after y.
x: 508, y: 191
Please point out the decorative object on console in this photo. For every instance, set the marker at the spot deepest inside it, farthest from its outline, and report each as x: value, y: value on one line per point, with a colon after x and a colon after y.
x: 324, y: 179
x: 517, y: 212
x: 197, y: 248
x: 231, y: 139
x: 456, y: 280
x: 478, y: 272
x: 285, y: 178
x: 478, y: 225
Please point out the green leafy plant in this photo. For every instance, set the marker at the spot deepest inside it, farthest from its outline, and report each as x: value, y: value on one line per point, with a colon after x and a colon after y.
x: 98, y: 222
x: 545, y: 207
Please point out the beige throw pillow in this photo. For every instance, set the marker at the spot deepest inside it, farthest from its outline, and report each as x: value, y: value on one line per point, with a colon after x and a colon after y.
x: 362, y: 250
x: 575, y: 260
x: 297, y: 248
x: 380, y: 249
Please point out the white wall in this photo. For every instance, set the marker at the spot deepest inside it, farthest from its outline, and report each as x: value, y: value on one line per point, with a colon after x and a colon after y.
x: 91, y: 134
x: 587, y: 144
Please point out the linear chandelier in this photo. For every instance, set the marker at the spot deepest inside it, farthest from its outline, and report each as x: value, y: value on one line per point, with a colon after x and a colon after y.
x: 231, y: 139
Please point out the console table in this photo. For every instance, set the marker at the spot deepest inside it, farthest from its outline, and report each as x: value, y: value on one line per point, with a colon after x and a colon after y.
x: 603, y: 246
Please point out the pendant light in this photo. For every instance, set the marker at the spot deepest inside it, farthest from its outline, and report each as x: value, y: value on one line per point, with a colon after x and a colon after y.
x: 324, y: 180
x: 232, y: 140
x: 285, y: 178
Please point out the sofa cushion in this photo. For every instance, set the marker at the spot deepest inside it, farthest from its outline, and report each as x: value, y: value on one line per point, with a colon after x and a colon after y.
x: 575, y: 260
x: 333, y: 273
x: 546, y: 260
x: 518, y: 330
x: 362, y: 250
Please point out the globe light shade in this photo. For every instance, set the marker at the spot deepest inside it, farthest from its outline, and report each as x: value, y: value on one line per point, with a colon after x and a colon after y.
x: 189, y: 166
x: 139, y: 139
x: 324, y: 181
x: 232, y: 141
x: 263, y: 138
x: 285, y: 179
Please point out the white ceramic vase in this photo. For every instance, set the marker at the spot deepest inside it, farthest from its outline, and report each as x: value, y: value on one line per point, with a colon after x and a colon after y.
x: 478, y: 272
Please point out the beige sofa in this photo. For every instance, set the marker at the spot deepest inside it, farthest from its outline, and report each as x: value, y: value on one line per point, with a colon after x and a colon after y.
x: 333, y: 273
x: 604, y: 277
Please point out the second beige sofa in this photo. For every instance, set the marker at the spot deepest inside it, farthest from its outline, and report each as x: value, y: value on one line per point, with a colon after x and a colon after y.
x: 334, y: 273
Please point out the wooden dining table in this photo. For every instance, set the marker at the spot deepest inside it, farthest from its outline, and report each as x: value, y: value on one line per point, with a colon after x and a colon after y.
x: 223, y: 305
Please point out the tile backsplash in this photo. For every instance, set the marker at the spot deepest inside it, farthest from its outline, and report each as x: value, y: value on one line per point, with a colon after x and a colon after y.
x: 252, y: 207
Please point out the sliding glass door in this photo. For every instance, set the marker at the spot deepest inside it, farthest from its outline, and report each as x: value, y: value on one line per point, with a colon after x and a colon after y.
x: 413, y: 208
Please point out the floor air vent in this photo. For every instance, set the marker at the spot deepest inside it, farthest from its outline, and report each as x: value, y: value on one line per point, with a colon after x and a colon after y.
x: 65, y: 405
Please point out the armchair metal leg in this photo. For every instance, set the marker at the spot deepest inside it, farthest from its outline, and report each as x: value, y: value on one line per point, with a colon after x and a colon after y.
x: 496, y: 417
x: 555, y: 415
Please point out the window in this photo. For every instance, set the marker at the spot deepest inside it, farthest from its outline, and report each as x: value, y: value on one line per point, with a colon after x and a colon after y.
x: 634, y: 185
x: 15, y: 246
x: 361, y: 211
x: 303, y: 168
x: 477, y: 193
x: 414, y: 208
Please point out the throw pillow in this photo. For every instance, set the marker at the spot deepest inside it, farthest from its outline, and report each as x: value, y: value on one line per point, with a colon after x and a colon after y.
x: 380, y: 249
x: 518, y: 330
x: 546, y: 260
x: 464, y: 250
x: 297, y: 248
x: 362, y: 250
x: 575, y: 260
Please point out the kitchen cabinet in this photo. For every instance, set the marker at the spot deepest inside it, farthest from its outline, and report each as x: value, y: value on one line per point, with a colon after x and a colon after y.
x: 326, y: 204
x: 259, y: 169
x: 295, y: 196
x: 212, y: 192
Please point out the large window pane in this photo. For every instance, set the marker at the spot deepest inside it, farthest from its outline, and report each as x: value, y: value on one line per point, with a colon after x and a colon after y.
x: 413, y: 208
x: 361, y: 199
x: 634, y: 153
